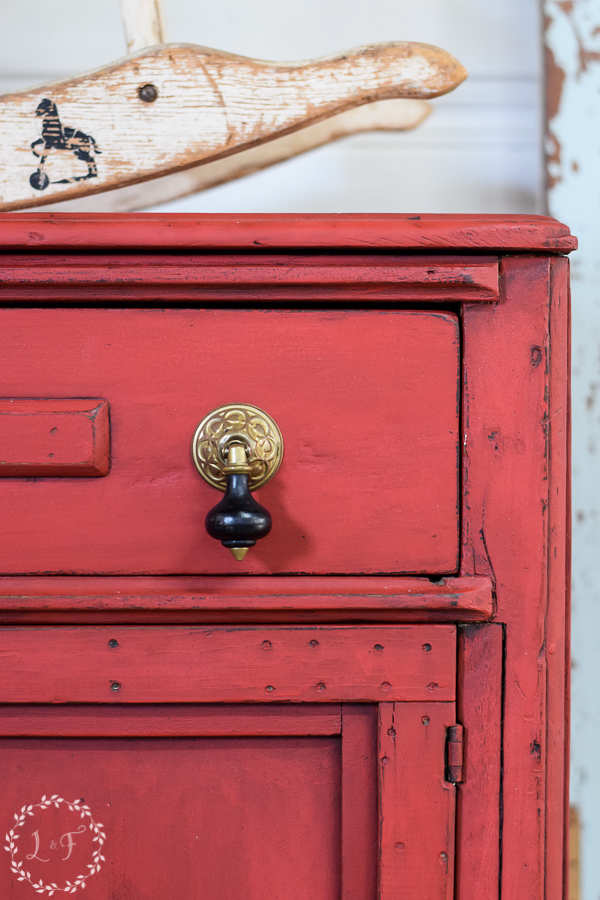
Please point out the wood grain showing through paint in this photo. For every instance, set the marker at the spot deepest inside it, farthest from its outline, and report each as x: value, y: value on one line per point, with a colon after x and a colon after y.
x: 516, y: 410
x: 479, y: 710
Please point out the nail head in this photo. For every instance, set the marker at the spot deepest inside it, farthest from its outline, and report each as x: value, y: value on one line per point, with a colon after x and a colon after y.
x: 148, y: 93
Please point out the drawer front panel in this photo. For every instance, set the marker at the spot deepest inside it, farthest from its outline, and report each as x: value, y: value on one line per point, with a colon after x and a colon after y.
x: 367, y: 403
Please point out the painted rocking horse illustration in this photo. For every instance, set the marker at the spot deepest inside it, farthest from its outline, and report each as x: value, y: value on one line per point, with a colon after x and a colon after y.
x: 56, y: 136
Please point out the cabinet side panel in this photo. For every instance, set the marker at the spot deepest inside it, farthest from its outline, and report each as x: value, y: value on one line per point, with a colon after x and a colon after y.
x: 559, y: 587
x: 513, y: 486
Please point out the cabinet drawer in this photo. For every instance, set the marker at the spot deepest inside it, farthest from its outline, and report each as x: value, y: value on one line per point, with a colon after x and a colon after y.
x: 367, y: 401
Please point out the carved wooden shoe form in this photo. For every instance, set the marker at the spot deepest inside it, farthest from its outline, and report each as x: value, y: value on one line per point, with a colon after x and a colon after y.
x: 173, y: 106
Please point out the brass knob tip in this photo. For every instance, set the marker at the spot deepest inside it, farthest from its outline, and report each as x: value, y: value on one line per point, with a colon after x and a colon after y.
x: 239, y: 552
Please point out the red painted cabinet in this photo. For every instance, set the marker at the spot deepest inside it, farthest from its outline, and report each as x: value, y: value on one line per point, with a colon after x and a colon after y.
x: 371, y: 703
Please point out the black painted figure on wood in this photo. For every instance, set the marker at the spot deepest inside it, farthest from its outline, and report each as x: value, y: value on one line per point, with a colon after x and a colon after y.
x: 55, y: 136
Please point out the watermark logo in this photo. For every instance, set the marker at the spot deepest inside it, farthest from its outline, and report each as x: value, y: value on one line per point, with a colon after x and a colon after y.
x: 54, y: 842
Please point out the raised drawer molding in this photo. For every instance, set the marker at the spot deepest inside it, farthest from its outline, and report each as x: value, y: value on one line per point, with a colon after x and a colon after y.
x: 54, y: 438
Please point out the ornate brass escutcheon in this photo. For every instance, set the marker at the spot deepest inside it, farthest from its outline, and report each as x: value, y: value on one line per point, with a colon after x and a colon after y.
x: 236, y: 449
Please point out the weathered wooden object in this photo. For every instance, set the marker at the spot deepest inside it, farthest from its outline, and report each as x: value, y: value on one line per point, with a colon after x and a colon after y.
x: 373, y: 702
x: 381, y: 115
x: 173, y: 106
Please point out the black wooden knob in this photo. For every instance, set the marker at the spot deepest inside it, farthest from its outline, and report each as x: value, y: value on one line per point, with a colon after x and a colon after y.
x: 238, y: 521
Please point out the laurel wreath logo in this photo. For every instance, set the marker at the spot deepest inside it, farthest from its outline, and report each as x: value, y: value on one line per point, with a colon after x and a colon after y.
x: 12, y: 837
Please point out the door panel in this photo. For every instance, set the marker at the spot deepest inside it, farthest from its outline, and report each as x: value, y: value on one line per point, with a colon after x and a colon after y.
x: 255, y: 816
x: 183, y: 817
x: 263, y: 815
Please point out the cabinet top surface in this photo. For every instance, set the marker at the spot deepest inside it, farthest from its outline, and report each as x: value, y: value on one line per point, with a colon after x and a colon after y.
x: 364, y: 232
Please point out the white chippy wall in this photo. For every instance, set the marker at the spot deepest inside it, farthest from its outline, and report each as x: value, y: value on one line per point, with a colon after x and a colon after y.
x: 479, y: 152
x: 573, y: 44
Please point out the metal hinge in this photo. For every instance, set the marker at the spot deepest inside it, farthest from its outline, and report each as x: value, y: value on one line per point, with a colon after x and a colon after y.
x: 454, y: 754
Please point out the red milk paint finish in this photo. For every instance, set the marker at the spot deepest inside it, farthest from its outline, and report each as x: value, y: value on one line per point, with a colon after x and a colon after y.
x: 193, y: 720
x: 185, y: 817
x: 202, y: 772
x: 516, y: 409
x: 54, y: 438
x: 479, y: 709
x: 359, y: 801
x: 282, y: 725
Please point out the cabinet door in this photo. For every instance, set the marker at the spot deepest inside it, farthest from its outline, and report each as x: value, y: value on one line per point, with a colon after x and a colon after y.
x: 344, y: 796
x: 242, y: 802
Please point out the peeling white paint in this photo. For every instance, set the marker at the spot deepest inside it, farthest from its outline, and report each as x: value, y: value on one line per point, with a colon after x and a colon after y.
x: 573, y: 37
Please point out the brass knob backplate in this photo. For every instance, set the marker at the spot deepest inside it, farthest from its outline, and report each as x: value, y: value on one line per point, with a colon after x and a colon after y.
x: 237, y: 423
